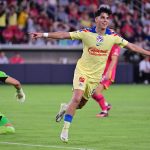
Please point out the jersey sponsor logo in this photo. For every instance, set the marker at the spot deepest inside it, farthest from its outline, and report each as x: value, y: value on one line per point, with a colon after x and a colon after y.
x: 97, y: 52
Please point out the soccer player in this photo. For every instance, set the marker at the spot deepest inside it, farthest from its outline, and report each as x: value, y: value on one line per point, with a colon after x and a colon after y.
x: 107, y: 79
x: 97, y: 44
x: 5, y: 125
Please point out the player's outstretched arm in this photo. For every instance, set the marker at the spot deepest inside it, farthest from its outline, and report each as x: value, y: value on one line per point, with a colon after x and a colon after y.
x: 53, y: 35
x: 137, y: 49
x: 19, y: 91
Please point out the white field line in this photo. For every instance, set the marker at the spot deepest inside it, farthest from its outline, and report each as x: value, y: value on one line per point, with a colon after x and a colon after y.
x: 48, y: 146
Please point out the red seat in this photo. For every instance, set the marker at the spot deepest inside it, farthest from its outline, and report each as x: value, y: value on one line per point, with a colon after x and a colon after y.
x: 7, y: 35
x: 19, y: 35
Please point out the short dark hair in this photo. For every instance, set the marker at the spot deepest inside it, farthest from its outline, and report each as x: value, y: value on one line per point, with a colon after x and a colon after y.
x: 103, y: 10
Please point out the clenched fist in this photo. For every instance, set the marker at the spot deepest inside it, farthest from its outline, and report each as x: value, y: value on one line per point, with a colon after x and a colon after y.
x: 35, y: 35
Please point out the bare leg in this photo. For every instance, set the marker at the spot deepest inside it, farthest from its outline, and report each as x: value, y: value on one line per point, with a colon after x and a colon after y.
x: 75, y: 101
x: 63, y: 108
x: 99, y: 89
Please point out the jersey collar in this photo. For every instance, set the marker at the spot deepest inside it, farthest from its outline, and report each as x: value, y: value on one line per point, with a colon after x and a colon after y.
x: 93, y: 30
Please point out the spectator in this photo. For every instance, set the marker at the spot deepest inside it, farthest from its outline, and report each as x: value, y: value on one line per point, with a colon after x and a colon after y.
x: 62, y: 15
x: 7, y: 35
x: 22, y: 18
x: 3, y: 18
x: 38, y: 41
x: 30, y: 15
x: 3, y: 58
x: 144, y: 70
x: 12, y: 16
x: 43, y: 21
x: 31, y: 23
x: 52, y: 9
x: 63, y: 2
x: 127, y: 30
x: 85, y: 20
x: 17, y: 59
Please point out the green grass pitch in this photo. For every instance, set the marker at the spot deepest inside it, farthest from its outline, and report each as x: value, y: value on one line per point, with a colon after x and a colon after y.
x: 126, y: 128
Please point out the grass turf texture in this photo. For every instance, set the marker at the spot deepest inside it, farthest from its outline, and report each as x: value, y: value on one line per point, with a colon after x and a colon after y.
x: 127, y: 127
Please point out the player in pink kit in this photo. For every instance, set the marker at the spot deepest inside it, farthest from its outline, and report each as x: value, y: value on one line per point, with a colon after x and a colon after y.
x: 107, y: 79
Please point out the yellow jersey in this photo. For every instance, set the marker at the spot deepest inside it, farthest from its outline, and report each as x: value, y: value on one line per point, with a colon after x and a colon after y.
x: 96, y: 49
x: 3, y: 20
x: 12, y: 20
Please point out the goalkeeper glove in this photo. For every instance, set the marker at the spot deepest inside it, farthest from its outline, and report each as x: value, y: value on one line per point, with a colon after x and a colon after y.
x: 20, y: 95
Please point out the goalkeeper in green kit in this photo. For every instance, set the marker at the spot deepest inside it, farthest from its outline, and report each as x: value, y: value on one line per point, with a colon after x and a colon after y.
x: 5, y: 125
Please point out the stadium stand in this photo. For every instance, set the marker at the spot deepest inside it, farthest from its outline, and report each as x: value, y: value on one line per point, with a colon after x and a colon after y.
x: 131, y: 19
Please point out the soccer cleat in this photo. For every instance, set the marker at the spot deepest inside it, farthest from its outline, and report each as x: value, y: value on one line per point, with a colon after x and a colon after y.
x: 109, y: 107
x: 7, y: 129
x: 64, y: 135
x: 20, y: 97
x: 61, y: 112
x: 102, y: 114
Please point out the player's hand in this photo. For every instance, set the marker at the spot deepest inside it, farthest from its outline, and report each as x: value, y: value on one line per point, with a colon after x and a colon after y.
x: 106, y: 77
x: 20, y: 96
x: 35, y: 35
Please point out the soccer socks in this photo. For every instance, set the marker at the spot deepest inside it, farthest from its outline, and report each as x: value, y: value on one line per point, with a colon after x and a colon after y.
x: 101, y: 101
x: 66, y: 125
x: 67, y: 121
x: 68, y: 118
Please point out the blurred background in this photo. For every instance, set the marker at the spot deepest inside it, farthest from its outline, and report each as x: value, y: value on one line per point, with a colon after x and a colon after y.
x: 43, y: 61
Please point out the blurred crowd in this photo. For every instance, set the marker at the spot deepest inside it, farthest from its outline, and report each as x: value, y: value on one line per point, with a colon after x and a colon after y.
x: 131, y: 19
x: 15, y: 59
x: 18, y: 17
x: 144, y: 70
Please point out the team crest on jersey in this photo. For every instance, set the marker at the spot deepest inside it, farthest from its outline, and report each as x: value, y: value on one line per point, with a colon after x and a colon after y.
x: 99, y: 39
